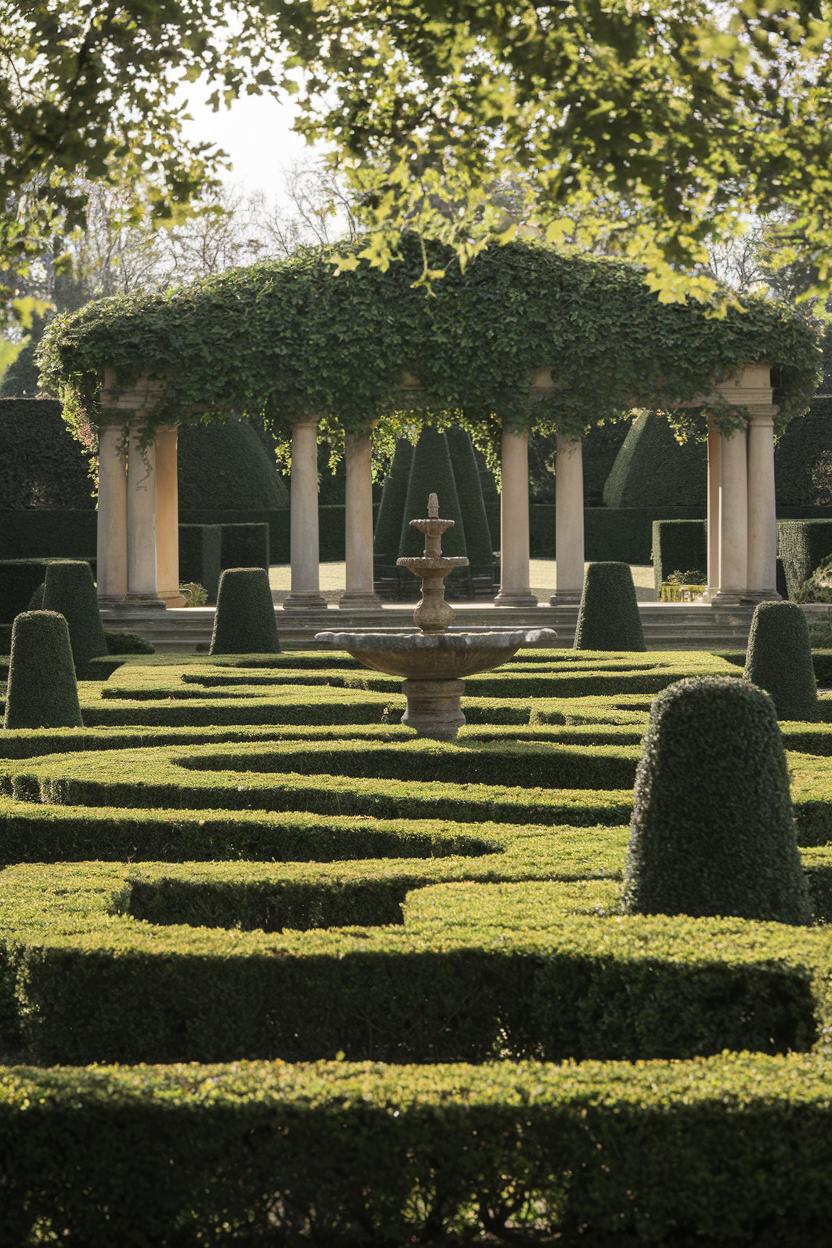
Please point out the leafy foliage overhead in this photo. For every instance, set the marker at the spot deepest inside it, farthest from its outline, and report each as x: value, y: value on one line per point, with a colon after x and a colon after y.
x: 88, y: 88
x: 286, y: 339
x: 654, y: 126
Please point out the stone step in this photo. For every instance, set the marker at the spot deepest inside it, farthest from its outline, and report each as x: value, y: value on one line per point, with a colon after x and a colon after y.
x: 666, y: 626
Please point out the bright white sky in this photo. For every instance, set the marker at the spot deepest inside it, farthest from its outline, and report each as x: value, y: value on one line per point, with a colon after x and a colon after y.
x: 255, y: 133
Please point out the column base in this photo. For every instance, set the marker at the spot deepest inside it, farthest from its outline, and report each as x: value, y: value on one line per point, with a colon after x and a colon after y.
x: 359, y: 602
x: 511, y: 599
x: 304, y: 602
x: 146, y: 601
x: 565, y: 598
x: 762, y: 595
x: 171, y: 598
x: 112, y: 600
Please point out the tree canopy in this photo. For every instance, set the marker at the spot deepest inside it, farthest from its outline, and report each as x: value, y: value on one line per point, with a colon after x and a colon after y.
x: 652, y: 127
x: 88, y: 91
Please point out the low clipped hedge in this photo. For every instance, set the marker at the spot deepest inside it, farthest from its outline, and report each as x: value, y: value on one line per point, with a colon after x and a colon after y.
x: 803, y: 544
x: 200, y: 556
x: 245, y: 546
x: 678, y: 546
x: 532, y: 967
x: 19, y: 578
x: 735, y: 1147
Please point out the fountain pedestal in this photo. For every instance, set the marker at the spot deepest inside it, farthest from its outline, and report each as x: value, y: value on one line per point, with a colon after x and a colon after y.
x: 433, y: 707
x: 434, y: 660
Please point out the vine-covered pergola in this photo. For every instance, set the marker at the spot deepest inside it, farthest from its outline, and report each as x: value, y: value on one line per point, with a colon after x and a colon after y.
x: 524, y: 339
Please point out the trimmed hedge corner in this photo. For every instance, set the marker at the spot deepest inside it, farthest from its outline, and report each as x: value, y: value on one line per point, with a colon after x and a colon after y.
x: 713, y: 829
x: 779, y: 660
x: 69, y: 589
x: 244, y: 621
x: 677, y: 545
x: 804, y: 544
x: 43, y: 692
x: 608, y: 617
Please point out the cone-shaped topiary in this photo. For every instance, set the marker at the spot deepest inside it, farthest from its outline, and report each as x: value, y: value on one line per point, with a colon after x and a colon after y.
x: 70, y: 590
x: 43, y: 691
x: 713, y: 830
x: 608, y: 617
x: 244, y: 621
x: 431, y: 472
x: 388, y: 528
x: 779, y: 659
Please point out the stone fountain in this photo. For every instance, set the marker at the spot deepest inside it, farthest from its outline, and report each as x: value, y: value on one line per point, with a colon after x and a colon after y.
x: 434, y: 660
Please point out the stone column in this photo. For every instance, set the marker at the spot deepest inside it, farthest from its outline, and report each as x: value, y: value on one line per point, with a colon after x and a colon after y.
x: 141, y: 521
x: 303, y: 518
x: 733, y: 518
x: 514, y: 522
x: 358, y: 523
x: 569, y: 520
x: 762, y: 512
x: 713, y: 508
x: 111, y: 557
x: 167, y: 518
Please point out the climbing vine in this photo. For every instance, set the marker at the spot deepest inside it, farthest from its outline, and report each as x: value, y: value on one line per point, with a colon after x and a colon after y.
x: 286, y: 339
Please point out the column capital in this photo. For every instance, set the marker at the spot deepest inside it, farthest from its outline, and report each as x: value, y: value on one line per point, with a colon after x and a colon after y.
x: 306, y: 422
x: 143, y: 394
x: 762, y: 414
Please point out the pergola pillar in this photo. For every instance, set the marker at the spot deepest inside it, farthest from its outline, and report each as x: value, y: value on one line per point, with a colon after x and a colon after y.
x: 743, y: 460
x: 167, y: 517
x: 111, y: 552
x: 358, y: 523
x: 569, y: 520
x: 303, y: 519
x: 762, y: 511
x: 713, y: 508
x: 142, y: 587
x: 514, y: 521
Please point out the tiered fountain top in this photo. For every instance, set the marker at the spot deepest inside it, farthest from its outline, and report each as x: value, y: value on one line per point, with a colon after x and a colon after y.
x: 435, y: 653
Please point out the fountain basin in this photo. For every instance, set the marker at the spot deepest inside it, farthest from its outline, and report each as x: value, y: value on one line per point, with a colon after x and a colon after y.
x: 433, y: 664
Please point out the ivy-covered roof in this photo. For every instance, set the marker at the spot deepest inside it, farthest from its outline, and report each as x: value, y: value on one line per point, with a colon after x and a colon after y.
x: 290, y: 338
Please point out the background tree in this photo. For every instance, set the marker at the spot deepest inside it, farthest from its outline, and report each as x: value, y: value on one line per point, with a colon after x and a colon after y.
x: 89, y: 87
x: 664, y: 124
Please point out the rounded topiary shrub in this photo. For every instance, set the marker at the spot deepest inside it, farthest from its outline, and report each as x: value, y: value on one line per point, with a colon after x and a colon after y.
x: 779, y: 659
x: 43, y: 691
x: 70, y: 590
x: 608, y: 617
x: 244, y: 622
x: 713, y: 830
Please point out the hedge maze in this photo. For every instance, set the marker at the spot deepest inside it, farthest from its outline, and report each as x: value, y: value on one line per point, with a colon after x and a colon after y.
x: 274, y: 971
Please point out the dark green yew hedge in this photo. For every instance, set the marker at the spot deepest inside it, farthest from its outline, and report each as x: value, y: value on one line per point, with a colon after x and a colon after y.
x: 70, y: 590
x: 244, y: 619
x: 779, y: 660
x: 713, y: 828
x: 608, y: 617
x: 42, y: 689
x: 729, y: 1150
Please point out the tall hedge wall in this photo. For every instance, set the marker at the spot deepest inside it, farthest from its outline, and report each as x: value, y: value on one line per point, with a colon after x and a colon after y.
x: 41, y: 464
x: 803, y: 457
